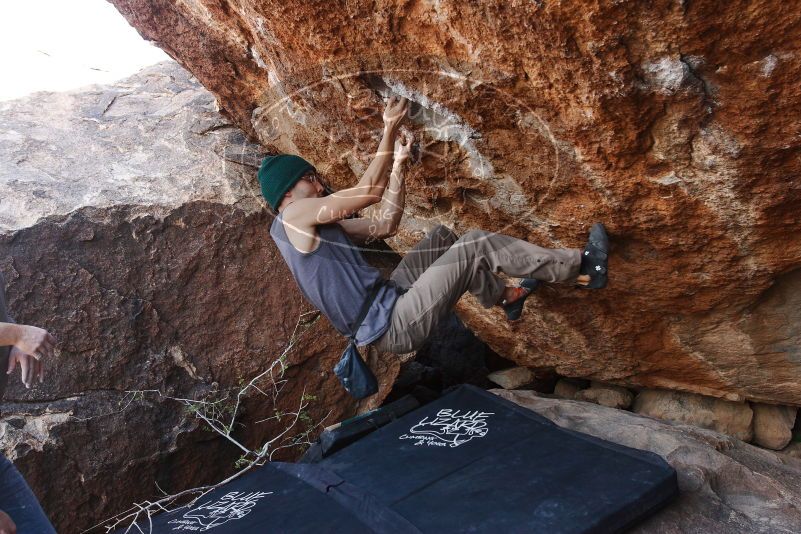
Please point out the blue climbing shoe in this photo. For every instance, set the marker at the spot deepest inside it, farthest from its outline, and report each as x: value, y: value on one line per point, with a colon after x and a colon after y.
x: 514, y: 309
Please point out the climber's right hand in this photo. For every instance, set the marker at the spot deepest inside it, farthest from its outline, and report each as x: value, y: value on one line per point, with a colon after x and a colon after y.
x: 34, y: 341
x: 403, y: 147
x: 395, y: 112
x: 7, y: 526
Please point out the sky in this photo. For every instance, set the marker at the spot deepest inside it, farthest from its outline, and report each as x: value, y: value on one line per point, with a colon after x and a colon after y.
x: 55, y: 45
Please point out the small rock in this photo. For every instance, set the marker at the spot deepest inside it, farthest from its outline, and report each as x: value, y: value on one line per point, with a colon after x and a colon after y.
x: 793, y: 450
x: 732, y: 418
x: 512, y: 378
x: 773, y: 425
x: 607, y: 395
x: 567, y: 388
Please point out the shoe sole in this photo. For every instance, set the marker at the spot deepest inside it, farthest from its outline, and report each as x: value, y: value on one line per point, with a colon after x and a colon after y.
x: 530, y: 284
x: 600, y: 238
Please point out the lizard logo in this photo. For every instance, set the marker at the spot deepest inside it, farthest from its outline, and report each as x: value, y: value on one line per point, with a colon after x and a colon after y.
x: 230, y: 507
x: 449, y: 428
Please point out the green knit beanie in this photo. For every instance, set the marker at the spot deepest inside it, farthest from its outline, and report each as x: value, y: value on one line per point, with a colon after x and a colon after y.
x: 278, y: 174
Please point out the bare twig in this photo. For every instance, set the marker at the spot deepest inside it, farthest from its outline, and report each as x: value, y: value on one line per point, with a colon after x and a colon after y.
x: 220, y: 415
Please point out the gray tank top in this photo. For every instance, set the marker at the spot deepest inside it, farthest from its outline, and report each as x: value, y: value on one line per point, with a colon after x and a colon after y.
x: 335, y: 278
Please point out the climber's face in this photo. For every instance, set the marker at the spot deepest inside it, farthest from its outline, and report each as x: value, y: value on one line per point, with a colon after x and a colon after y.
x: 311, y: 185
x: 317, y: 181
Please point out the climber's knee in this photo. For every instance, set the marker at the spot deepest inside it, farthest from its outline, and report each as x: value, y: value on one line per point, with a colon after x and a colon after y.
x: 474, y: 239
x: 475, y: 235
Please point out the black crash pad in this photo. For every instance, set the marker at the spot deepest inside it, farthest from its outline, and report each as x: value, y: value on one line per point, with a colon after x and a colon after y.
x: 266, y: 500
x: 472, y: 461
x: 467, y: 462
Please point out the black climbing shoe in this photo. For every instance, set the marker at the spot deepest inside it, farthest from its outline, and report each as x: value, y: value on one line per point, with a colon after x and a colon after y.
x: 595, y: 257
x: 514, y: 309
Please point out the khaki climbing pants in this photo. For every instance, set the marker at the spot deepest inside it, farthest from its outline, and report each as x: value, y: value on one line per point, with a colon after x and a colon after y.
x: 443, y: 266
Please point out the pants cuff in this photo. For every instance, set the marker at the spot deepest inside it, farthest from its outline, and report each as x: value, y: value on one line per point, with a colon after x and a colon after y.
x: 494, y: 295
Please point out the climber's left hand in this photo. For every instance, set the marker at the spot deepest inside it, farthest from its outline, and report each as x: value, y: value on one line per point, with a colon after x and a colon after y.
x: 31, y: 369
x: 403, y: 147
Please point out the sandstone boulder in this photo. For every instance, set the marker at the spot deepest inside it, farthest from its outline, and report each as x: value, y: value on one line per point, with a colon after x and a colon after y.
x: 773, y: 425
x: 130, y: 229
x: 730, y: 418
x: 606, y: 395
x: 726, y: 486
x: 512, y: 378
x: 567, y: 388
x: 793, y: 450
x: 675, y: 123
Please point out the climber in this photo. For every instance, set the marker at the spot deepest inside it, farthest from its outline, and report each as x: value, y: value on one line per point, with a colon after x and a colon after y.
x: 316, y: 237
x: 26, y: 346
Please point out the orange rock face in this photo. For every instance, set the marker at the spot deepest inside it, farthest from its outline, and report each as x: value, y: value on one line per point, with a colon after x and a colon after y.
x: 675, y: 123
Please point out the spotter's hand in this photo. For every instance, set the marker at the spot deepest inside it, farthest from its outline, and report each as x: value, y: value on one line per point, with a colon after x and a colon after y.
x: 31, y: 369
x: 34, y: 341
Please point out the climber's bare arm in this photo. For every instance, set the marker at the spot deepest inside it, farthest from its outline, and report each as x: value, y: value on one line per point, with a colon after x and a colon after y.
x: 394, y: 200
x: 383, y: 222
x: 308, y: 212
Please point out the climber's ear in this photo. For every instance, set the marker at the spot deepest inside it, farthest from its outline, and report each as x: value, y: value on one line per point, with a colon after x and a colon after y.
x: 287, y: 197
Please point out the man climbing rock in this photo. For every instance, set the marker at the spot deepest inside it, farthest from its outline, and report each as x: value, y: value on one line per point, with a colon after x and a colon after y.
x: 316, y: 237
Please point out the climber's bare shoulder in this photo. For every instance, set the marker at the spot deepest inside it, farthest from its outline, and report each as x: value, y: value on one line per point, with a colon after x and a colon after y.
x: 297, y: 224
x: 303, y: 237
